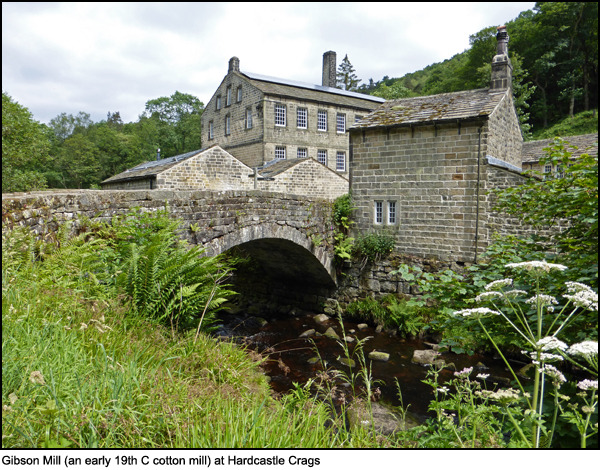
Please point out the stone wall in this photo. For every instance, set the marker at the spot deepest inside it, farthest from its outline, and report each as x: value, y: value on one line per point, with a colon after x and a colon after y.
x: 505, y: 141
x: 431, y: 174
x: 308, y: 178
x: 213, y: 169
x: 216, y: 220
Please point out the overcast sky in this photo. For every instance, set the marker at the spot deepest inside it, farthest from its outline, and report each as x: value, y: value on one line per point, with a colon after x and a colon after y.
x: 100, y: 57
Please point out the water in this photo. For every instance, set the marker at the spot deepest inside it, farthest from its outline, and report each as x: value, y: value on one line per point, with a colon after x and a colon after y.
x: 290, y: 356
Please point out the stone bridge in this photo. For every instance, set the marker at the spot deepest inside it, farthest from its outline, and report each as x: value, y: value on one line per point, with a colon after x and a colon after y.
x: 288, y: 236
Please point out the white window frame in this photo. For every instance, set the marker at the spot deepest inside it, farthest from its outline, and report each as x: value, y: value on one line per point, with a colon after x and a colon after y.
x: 239, y: 94
x: 218, y: 103
x: 228, y: 124
x: 302, y: 152
x: 280, y: 115
x: 322, y: 121
x: 340, y: 125
x: 302, y: 118
x: 322, y: 156
x: 340, y: 160
x: 280, y: 152
x: 378, y: 212
x: 248, y: 118
x: 228, y: 96
x: 211, y: 130
x: 392, y: 212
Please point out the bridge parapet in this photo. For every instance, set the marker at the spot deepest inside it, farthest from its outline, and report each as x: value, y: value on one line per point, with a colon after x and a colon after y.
x: 218, y: 220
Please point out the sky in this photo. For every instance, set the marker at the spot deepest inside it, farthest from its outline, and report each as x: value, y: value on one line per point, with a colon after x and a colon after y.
x: 107, y: 57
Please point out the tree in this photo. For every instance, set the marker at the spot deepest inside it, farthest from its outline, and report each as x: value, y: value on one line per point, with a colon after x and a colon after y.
x: 79, y: 162
x: 393, y: 92
x: 565, y: 202
x: 346, y: 76
x: 24, y: 148
x: 178, y: 118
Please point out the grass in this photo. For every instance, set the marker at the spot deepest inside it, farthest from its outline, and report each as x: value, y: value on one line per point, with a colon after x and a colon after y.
x: 80, y: 369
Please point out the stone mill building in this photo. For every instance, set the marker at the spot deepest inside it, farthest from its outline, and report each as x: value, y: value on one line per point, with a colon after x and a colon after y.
x: 258, y: 118
x: 421, y: 168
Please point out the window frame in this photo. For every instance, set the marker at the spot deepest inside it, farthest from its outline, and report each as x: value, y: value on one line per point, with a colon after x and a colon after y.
x: 248, y: 118
x: 280, y: 111
x: 322, y: 120
x: 281, y: 150
x: 300, y: 118
x: 303, y: 150
x: 322, y: 152
x: 211, y: 130
x: 378, y: 212
x: 338, y: 167
x: 340, y: 119
x: 228, y: 124
x: 392, y: 213
x: 239, y: 94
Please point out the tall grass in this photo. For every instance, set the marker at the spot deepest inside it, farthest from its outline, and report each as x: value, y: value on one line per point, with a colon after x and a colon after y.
x: 80, y: 368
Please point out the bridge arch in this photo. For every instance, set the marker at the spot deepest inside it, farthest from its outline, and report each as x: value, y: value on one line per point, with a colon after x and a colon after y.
x: 284, y: 251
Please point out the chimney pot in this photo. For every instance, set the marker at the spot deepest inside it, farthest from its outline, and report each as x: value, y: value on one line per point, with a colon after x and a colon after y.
x: 234, y: 65
x: 501, y: 66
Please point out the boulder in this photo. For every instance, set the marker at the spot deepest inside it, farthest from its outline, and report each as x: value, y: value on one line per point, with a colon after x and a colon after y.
x: 379, y: 356
x: 330, y: 333
x: 307, y: 333
x: 347, y: 361
x: 320, y: 318
x: 425, y: 356
x: 379, y: 417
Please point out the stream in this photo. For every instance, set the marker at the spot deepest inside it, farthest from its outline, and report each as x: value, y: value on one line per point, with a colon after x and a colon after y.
x: 292, y: 358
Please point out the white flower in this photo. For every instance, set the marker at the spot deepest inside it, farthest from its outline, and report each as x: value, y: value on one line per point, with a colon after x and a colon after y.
x: 574, y: 287
x: 499, y: 284
x: 544, y: 357
x: 543, y: 300
x: 585, y: 348
x: 514, y: 293
x: 482, y: 376
x: 488, y: 295
x: 549, y: 343
x: 463, y: 374
x: 588, y: 385
x: 443, y: 390
x: 584, y: 298
x: 557, y: 377
x: 538, y: 266
x: 476, y: 311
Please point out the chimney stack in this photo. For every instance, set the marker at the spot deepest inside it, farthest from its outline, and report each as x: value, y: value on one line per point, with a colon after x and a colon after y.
x: 329, y: 69
x: 234, y: 65
x: 501, y: 66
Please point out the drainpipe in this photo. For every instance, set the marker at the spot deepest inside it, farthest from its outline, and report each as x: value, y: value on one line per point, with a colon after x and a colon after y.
x: 477, y: 194
x: 255, y: 177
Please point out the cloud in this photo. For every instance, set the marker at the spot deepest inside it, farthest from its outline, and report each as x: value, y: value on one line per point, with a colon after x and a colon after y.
x: 100, y: 57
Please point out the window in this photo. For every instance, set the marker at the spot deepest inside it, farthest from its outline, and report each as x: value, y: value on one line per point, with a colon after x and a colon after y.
x: 340, y: 161
x: 280, y: 115
x: 391, y: 212
x: 340, y: 123
x: 322, y: 120
x: 302, y: 118
x: 218, y: 102
x: 228, y: 96
x: 378, y: 212
x: 227, y: 124
x: 547, y: 171
x: 322, y: 156
x: 279, y: 153
x: 211, y: 130
x: 239, y: 94
x: 302, y: 153
x: 248, y: 118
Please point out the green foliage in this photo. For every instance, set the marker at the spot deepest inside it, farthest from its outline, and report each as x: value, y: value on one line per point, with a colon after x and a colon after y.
x: 24, y: 148
x: 373, y: 246
x: 346, y: 76
x: 566, y: 204
x: 341, y: 215
x: 390, y: 312
x: 585, y: 122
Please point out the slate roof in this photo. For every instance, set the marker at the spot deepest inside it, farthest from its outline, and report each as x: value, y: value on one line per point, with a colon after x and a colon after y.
x: 151, y: 168
x: 276, y: 167
x: 309, y: 92
x: 433, y: 108
x: 586, y: 143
